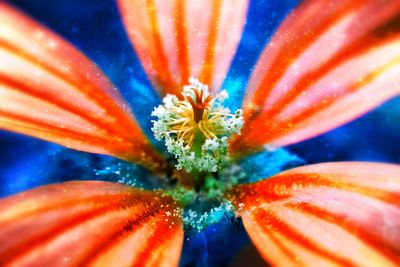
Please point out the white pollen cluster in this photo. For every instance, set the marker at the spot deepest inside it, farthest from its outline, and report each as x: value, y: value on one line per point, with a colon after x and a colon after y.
x: 196, y: 129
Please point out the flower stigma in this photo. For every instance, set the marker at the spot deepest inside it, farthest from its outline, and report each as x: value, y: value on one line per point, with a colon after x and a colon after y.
x: 196, y: 129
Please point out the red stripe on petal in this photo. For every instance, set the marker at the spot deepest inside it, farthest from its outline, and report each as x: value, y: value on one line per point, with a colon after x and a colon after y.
x: 208, y: 64
x: 182, y: 40
x: 267, y: 219
x: 52, y: 91
x: 331, y: 214
x: 89, y: 223
x: 371, y: 238
x: 326, y: 57
x: 178, y: 39
x: 263, y: 237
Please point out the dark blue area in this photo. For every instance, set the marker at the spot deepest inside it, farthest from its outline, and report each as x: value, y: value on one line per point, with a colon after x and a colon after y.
x: 266, y: 163
x: 96, y: 29
x: 373, y: 137
x: 215, y: 246
x: 27, y: 162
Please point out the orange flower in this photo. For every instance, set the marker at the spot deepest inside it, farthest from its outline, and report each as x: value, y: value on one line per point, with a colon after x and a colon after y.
x: 328, y: 63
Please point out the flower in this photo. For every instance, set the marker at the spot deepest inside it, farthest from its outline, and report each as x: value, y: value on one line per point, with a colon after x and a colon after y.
x: 322, y: 68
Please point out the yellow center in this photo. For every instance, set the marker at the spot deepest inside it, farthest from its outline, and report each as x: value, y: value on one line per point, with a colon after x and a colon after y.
x: 193, y: 116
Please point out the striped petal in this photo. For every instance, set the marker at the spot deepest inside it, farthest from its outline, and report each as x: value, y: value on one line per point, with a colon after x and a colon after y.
x: 181, y: 38
x: 49, y: 90
x: 89, y: 224
x: 329, y: 62
x: 331, y: 214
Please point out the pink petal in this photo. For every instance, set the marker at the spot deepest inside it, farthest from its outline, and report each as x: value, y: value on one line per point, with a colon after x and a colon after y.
x: 328, y: 63
x: 89, y: 224
x: 178, y: 39
x: 49, y: 90
x: 345, y: 214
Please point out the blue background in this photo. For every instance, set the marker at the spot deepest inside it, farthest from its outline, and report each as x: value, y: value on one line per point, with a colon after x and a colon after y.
x: 95, y: 28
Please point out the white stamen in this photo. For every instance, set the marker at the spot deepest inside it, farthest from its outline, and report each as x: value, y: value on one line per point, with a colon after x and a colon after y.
x: 179, y: 125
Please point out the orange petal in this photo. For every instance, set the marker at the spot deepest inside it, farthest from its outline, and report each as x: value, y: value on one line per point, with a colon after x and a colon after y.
x: 178, y: 39
x: 89, y: 224
x: 49, y: 90
x: 330, y: 214
x: 326, y: 65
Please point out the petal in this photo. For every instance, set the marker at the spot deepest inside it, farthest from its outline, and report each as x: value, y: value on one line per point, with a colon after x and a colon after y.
x: 331, y: 214
x: 49, y: 90
x: 327, y: 64
x: 178, y: 39
x: 89, y: 224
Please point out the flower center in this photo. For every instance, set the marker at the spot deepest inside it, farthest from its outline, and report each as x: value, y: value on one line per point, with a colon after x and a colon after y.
x: 196, y: 129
